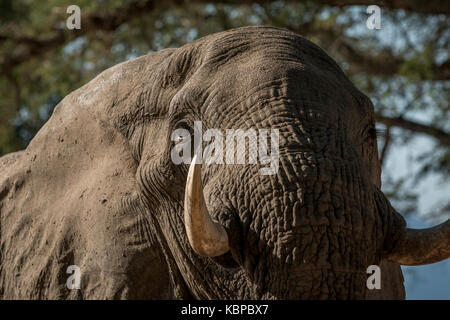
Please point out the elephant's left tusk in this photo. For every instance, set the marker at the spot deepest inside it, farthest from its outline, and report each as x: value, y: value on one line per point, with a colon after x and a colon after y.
x: 206, y: 237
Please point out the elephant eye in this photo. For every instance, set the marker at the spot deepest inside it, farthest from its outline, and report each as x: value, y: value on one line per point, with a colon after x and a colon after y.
x: 372, y: 134
x: 182, y: 133
x: 178, y: 138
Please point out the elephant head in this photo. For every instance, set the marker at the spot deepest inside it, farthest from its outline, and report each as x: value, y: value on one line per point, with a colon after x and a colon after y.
x: 311, y: 229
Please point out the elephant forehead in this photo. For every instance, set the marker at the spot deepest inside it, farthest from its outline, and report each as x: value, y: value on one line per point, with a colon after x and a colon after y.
x: 258, y: 91
x: 261, y: 43
x: 249, y: 72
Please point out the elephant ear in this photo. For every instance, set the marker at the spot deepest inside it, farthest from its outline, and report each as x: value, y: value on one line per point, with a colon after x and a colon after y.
x: 65, y: 199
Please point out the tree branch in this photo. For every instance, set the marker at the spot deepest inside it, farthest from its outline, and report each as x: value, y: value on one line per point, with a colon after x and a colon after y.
x: 441, y: 135
x: 27, y: 48
x: 384, y: 63
x: 427, y: 7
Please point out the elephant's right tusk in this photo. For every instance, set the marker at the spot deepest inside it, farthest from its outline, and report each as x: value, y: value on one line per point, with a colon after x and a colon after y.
x: 424, y: 246
x: 206, y: 237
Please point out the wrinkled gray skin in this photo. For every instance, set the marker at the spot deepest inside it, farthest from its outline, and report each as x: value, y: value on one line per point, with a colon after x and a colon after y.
x: 97, y: 187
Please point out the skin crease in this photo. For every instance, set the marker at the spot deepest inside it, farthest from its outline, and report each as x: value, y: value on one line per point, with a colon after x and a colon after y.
x: 308, y: 232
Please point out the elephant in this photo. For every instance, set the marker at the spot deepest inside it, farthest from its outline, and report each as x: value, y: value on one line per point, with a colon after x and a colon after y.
x: 97, y: 188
